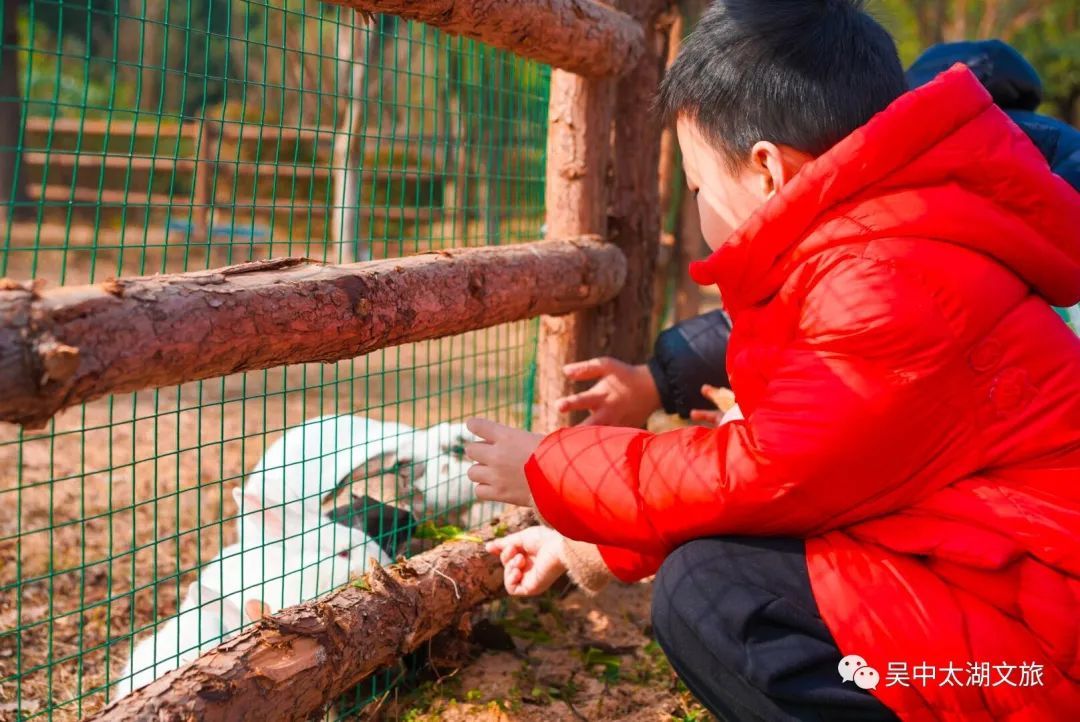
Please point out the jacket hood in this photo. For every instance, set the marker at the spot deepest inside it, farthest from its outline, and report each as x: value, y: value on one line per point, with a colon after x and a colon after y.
x: 941, y: 162
x: 1015, y: 87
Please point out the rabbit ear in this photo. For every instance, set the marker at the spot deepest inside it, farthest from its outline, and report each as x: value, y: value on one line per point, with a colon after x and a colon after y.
x: 231, y: 619
x: 256, y: 609
x: 273, y: 521
x: 272, y: 516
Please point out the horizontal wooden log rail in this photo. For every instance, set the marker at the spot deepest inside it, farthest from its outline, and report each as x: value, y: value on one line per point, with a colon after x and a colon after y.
x: 64, y: 346
x: 292, y: 664
x: 581, y: 36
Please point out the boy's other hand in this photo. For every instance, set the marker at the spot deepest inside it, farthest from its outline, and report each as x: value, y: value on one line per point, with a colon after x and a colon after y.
x: 706, y: 417
x: 624, y: 395
x: 532, y: 559
x: 726, y: 408
x: 722, y: 398
x: 500, y: 456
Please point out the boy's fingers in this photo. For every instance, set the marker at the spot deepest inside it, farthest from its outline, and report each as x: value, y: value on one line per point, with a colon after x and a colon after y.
x: 485, y: 428
x: 480, y: 452
x: 704, y: 415
x: 591, y: 369
x: 600, y: 417
x: 486, y: 492
x: 574, y: 402
x: 509, y: 553
x: 723, y: 398
x: 531, y: 580
x: 480, y: 474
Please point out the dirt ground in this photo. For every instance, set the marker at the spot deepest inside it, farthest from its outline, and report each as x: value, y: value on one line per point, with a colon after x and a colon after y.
x: 576, y: 658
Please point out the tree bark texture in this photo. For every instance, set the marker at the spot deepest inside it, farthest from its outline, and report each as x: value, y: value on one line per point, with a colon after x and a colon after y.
x: 669, y: 177
x: 689, y: 246
x: 68, y: 345
x: 292, y: 664
x: 581, y: 36
x: 578, y: 160
x: 603, y: 153
x: 12, y: 187
x: 634, y: 219
x: 353, y: 57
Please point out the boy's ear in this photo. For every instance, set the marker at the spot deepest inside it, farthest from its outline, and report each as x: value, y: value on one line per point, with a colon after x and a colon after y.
x: 775, y: 165
x: 766, y: 162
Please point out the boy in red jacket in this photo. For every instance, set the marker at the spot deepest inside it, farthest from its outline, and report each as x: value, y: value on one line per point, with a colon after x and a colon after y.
x: 893, y: 530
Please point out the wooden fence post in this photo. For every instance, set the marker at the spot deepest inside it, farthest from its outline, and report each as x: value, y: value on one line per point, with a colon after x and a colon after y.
x: 634, y: 222
x: 689, y: 246
x: 202, y: 212
x: 603, y: 156
x: 579, y: 144
x: 669, y: 177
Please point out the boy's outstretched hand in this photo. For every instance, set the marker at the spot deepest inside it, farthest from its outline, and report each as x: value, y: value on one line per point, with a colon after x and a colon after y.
x: 499, y: 471
x: 532, y: 559
x: 726, y: 409
x: 624, y: 395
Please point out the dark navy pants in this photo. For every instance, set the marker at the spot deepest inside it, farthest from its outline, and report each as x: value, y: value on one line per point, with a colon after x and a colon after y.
x: 738, y: 621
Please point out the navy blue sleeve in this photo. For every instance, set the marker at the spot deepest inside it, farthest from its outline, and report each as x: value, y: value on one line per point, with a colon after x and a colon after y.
x: 688, y: 355
x: 1060, y: 143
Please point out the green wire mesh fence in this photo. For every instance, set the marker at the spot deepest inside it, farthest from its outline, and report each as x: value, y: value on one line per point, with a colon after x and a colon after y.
x: 146, y: 136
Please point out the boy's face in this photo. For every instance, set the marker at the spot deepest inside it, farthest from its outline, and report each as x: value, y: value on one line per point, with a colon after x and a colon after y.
x: 727, y: 199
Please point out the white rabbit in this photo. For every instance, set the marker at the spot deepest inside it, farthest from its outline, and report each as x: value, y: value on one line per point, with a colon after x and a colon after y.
x: 440, y: 474
x: 203, y: 621
x: 287, y: 555
x: 311, y: 460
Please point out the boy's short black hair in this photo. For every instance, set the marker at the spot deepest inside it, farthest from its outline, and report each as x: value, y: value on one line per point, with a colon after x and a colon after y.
x: 801, y: 73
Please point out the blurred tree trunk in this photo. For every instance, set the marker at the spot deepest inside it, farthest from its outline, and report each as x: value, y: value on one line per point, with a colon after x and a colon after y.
x: 151, y: 62
x: 1068, y: 107
x: 12, y: 186
x: 931, y: 16
x: 958, y: 27
x: 353, y: 52
x: 492, y: 135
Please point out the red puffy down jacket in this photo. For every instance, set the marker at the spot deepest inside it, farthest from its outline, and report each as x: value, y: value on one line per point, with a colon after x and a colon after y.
x: 912, y: 409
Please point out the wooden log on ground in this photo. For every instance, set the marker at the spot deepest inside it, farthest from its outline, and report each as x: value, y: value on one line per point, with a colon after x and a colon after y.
x: 581, y: 36
x: 292, y: 664
x: 69, y: 345
x: 576, y: 198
